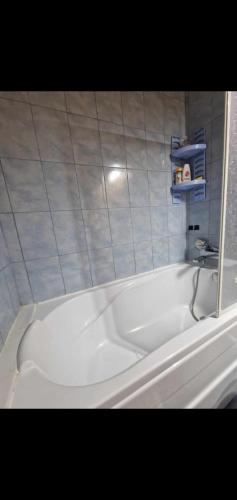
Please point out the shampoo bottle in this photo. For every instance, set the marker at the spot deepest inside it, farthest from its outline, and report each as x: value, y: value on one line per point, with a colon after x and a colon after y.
x: 186, y: 173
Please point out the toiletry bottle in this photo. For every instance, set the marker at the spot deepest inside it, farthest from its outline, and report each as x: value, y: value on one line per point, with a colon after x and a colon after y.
x: 179, y: 175
x: 186, y: 173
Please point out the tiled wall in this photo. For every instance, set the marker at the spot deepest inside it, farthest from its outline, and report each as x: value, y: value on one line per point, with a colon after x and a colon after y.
x: 206, y: 109
x: 85, y: 180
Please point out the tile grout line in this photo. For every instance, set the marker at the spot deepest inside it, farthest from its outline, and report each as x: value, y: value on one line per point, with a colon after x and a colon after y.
x: 43, y: 174
x: 78, y: 190
x: 105, y: 189
x: 18, y: 237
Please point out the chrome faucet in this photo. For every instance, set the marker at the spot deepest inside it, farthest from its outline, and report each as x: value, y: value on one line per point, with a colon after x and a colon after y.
x: 204, y: 245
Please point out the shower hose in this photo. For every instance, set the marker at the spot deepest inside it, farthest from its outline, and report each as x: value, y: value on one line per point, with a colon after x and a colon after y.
x: 197, y: 275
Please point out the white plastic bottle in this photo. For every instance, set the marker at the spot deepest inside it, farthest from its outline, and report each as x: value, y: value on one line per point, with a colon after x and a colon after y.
x: 186, y: 173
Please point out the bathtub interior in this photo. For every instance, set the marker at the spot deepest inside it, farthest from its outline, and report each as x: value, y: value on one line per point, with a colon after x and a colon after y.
x: 97, y: 335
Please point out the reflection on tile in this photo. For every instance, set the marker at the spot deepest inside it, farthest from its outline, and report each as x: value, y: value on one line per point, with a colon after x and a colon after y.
x: 133, y: 109
x: 22, y: 283
x: 61, y: 184
x: 91, y: 187
x: 45, y: 278
x: 4, y: 258
x: 36, y: 235
x: 7, y: 314
x: 159, y: 221
x: 4, y: 200
x: 141, y: 224
x: 116, y: 188
x: 55, y: 100
x: 97, y: 228
x: 85, y: 140
x: 112, y: 145
x: 154, y: 111
x: 156, y: 154
x: 25, y: 184
x: 69, y: 231
x: 176, y: 223
x: 158, y: 187
x: 109, y: 106
x: 11, y: 285
x: 76, y: 271
x: 138, y: 188
x: 160, y: 248
x: 121, y: 225
x: 11, y: 238
x: 143, y: 256
x: 81, y: 103
x: 17, y: 137
x: 177, y: 249
x: 53, y: 134
x: 135, y: 148
x: 124, y: 261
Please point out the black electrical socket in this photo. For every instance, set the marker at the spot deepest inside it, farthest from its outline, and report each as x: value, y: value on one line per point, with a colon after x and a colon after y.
x: 196, y: 228
x: 190, y: 228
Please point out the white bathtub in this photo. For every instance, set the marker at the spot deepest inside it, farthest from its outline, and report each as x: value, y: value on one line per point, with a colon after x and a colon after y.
x: 101, y: 347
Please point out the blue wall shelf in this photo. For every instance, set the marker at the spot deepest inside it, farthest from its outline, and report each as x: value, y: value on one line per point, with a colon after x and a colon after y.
x: 195, y: 153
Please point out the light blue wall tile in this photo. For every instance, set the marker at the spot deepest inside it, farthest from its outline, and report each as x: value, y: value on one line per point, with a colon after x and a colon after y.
x: 199, y: 215
x: 155, y: 144
x: 173, y: 116
x: 7, y: 314
x: 160, y: 249
x: 76, y: 272
x: 158, y: 182
x: 53, y: 135
x: 154, y: 111
x: 97, y: 228
x: 159, y: 221
x: 17, y: 137
x: 4, y: 257
x: 22, y: 283
x: 176, y: 220
x: 135, y: 142
x: 121, y: 225
x: 143, y: 256
x: 109, y: 106
x: 91, y: 187
x: 81, y: 103
x: 11, y: 284
x: 138, y: 188
x: 12, y: 241
x: 55, y: 100
x: 25, y: 184
x: 103, y: 275
x: 45, y: 278
x: 215, y: 214
x: 61, y: 185
x: 116, y: 187
x: 102, y: 257
x: 85, y: 140
x: 177, y: 248
x: 141, y: 221
x: 124, y: 261
x: 112, y: 145
x: 36, y: 235
x: 217, y: 138
x: 4, y: 200
x: 69, y: 231
x: 133, y: 109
